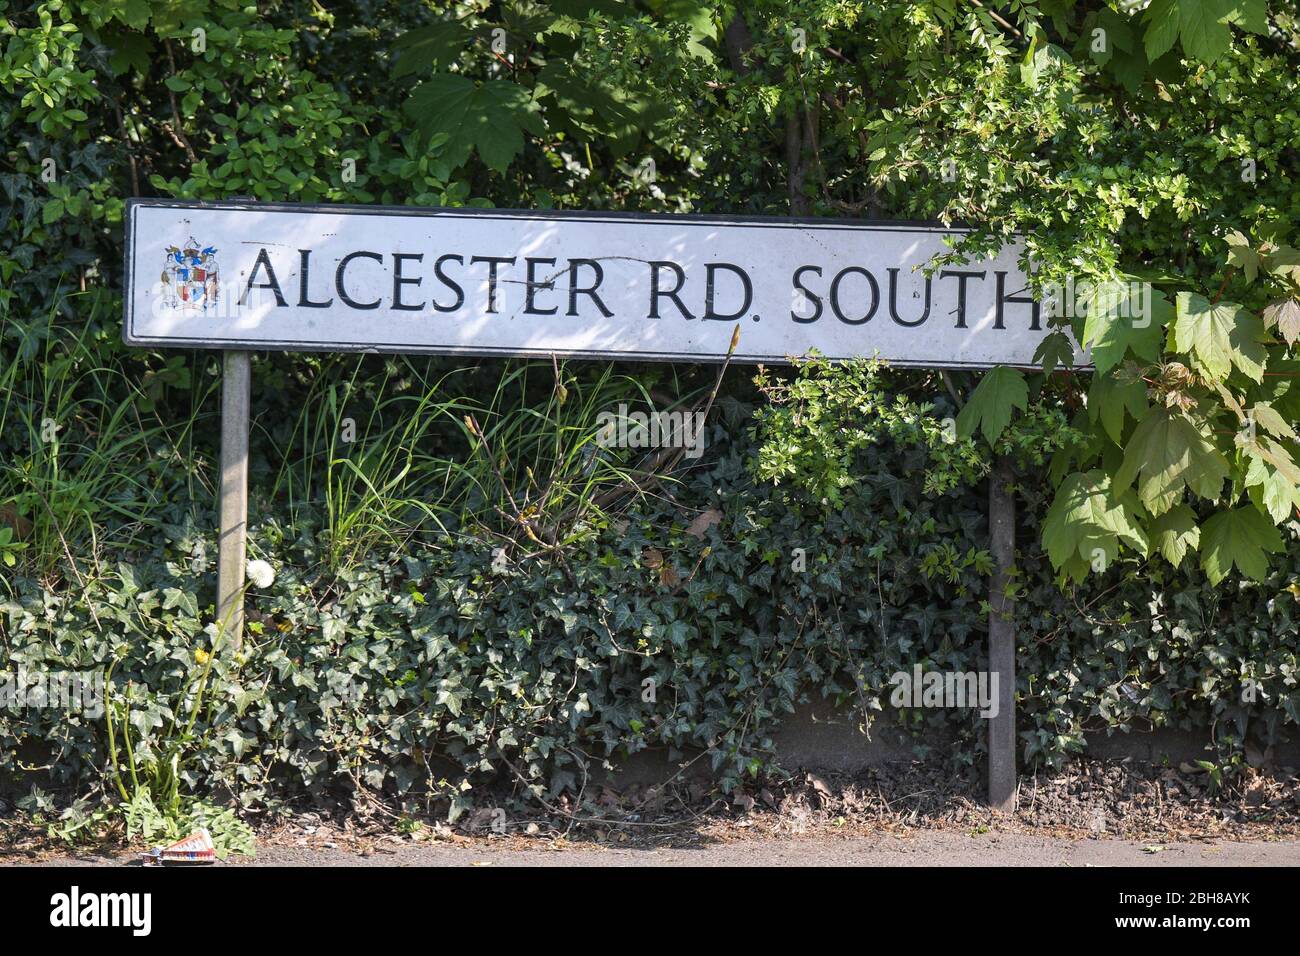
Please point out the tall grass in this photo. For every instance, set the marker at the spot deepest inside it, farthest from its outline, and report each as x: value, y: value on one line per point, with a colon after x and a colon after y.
x: 99, y: 446
x: 364, y: 451
x: 536, y: 462
x: 498, y: 448
x: 86, y: 456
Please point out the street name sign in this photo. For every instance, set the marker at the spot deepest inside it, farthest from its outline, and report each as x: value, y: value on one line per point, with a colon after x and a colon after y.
x: 271, y: 276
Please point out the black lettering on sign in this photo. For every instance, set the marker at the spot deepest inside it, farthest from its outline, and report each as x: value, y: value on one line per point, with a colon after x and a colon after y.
x: 1003, y: 299
x: 835, y: 295
x: 530, y: 301
x: 399, y: 280
x: 808, y: 293
x: 304, y: 268
x: 710, y: 280
x: 493, y: 262
x: 962, y: 278
x: 590, y: 291
x: 263, y: 262
x: 655, y: 293
x: 449, y: 283
x: 338, y: 279
x: 893, y: 302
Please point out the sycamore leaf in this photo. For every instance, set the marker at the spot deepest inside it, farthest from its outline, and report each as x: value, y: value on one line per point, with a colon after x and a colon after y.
x: 1162, y: 28
x: 1076, y: 454
x: 1203, y: 28
x: 1174, y: 533
x: 1109, y: 398
x: 1243, y: 255
x: 1283, y: 262
x: 437, y: 45
x: 618, y: 117
x: 488, y: 118
x: 1284, y: 315
x: 1267, y: 418
x: 1243, y: 537
x: 1272, y: 452
x: 1171, y: 453
x: 1270, y: 490
x: 1218, y: 336
x: 1250, y: 15
x: 989, y: 406
x: 1086, y: 522
x: 1055, y: 349
x: 1283, y: 388
x: 1110, y: 335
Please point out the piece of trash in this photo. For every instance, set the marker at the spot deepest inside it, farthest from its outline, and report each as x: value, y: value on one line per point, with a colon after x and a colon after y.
x: 1154, y: 848
x: 195, y: 848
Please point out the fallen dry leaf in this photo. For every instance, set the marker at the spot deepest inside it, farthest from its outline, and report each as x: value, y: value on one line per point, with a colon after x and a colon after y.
x: 705, y: 520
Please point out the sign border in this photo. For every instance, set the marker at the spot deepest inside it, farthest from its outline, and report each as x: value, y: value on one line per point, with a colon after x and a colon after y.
x: 463, y: 212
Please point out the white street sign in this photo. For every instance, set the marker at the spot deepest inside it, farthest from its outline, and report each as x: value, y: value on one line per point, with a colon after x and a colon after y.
x: 269, y: 276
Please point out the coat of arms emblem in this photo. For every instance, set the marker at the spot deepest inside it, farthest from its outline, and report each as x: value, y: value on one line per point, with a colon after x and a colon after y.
x: 190, y: 276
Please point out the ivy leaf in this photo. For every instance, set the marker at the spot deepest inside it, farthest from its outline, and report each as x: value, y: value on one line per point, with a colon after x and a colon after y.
x: 1284, y: 315
x: 1174, y: 533
x: 1243, y: 537
x: 1171, y: 453
x: 1218, y: 336
x: 488, y: 118
x: 989, y: 406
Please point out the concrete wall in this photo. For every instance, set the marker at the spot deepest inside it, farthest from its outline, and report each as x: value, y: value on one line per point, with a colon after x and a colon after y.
x: 817, y: 738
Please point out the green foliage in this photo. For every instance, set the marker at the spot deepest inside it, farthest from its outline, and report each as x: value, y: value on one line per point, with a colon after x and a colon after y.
x: 1169, y: 234
x: 145, y: 821
x: 1086, y: 523
x: 1239, y: 537
x: 486, y: 118
x: 467, y: 598
x: 817, y: 423
x: 990, y: 405
x: 445, y: 666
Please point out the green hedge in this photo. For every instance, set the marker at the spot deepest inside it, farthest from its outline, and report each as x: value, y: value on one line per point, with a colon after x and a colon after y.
x: 434, y: 670
x: 417, y: 663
